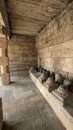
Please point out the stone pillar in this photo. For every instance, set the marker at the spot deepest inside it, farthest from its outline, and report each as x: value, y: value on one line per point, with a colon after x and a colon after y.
x: 5, y: 63
x: 1, y: 115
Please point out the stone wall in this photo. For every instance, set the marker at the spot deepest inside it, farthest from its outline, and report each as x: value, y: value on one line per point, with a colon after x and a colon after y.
x: 22, y: 54
x: 55, y: 43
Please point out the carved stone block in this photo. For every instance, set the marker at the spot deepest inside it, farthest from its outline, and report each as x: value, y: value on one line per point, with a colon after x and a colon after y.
x: 42, y: 78
x: 58, y: 78
x: 50, y: 84
x: 62, y: 91
x: 52, y: 74
x: 64, y: 96
x: 32, y: 69
x: 67, y: 83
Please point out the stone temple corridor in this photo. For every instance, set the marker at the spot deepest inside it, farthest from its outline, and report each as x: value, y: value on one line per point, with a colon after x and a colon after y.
x: 25, y: 108
x: 36, y: 64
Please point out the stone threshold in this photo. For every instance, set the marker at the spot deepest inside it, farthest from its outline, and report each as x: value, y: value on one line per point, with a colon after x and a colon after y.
x: 65, y: 114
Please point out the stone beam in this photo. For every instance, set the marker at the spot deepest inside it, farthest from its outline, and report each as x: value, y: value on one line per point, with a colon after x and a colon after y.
x: 4, y: 16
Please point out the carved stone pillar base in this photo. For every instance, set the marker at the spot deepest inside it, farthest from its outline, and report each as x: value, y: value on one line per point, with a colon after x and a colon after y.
x: 63, y: 95
x: 6, y: 78
x: 42, y: 78
x: 50, y: 84
x: 32, y: 69
x: 63, y: 92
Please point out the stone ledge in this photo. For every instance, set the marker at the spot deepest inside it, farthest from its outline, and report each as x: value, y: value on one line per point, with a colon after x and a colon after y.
x: 1, y: 115
x: 63, y: 114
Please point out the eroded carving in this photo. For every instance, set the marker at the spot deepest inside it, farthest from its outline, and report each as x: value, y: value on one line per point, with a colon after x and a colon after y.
x: 43, y: 78
x: 61, y: 91
x: 67, y: 83
x: 32, y: 69
x: 59, y: 78
x: 50, y: 84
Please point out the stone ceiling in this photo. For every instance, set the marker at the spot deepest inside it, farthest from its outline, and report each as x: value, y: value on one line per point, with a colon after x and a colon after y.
x: 28, y: 17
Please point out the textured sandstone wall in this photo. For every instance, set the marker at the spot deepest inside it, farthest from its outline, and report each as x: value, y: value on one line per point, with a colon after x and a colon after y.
x: 22, y: 54
x: 55, y: 43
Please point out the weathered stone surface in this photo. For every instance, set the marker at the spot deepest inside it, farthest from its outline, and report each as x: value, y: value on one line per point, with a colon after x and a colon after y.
x: 22, y: 54
x: 64, y: 96
x: 33, y: 70
x: 67, y: 83
x: 62, y: 91
x: 43, y: 78
x: 28, y: 17
x: 57, y: 53
x: 50, y: 84
x: 4, y: 61
x: 66, y: 116
x: 26, y: 109
x: 58, y: 78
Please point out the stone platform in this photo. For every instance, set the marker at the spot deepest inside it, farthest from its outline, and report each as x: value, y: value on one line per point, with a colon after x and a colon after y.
x: 64, y: 114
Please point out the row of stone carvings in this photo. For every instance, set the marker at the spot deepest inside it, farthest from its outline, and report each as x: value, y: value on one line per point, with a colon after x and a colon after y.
x: 55, y: 82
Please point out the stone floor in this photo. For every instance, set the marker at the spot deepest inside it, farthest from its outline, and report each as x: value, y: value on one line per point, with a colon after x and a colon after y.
x: 24, y: 107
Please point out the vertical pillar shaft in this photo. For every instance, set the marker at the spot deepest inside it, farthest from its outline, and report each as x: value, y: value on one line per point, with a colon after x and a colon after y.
x: 5, y: 63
